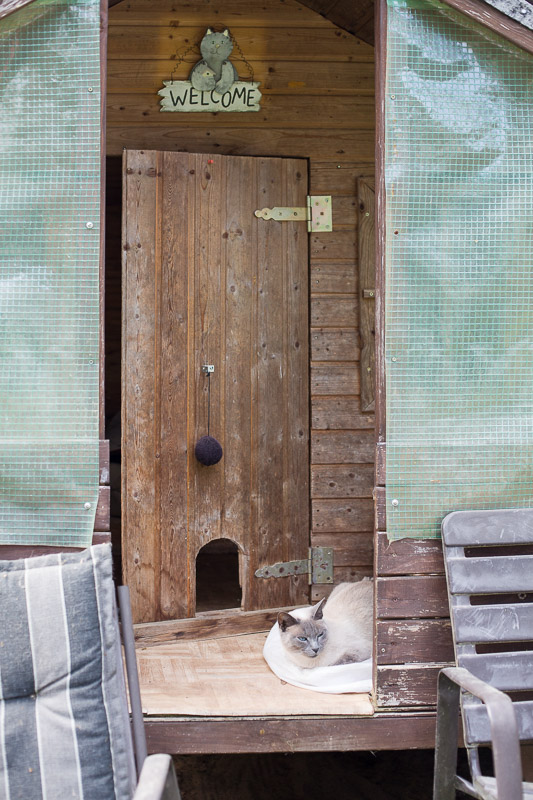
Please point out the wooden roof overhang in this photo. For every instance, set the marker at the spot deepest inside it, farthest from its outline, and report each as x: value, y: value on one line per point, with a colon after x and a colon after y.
x: 511, y: 19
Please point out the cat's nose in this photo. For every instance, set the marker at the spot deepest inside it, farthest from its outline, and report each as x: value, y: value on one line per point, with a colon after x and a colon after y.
x: 315, y: 650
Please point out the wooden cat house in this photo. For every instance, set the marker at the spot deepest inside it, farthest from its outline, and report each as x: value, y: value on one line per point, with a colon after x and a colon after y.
x: 273, y: 333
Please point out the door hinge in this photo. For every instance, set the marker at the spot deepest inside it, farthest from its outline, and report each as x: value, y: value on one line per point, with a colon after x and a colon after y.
x: 318, y: 567
x: 317, y: 213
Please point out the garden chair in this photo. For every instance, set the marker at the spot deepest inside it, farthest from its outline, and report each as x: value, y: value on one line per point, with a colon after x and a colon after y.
x: 489, y: 570
x: 64, y: 723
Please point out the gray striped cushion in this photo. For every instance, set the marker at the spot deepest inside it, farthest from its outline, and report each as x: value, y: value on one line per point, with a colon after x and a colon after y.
x: 64, y: 727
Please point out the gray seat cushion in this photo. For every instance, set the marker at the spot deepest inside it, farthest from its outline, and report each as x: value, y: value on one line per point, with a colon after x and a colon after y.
x: 64, y: 725
x: 487, y: 788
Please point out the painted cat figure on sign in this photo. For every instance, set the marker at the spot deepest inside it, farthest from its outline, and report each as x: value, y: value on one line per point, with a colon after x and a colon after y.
x: 214, y: 72
x: 337, y: 632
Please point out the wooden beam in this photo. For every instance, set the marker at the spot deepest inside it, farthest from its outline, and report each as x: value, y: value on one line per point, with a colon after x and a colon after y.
x: 398, y: 731
x: 211, y: 625
x: 9, y: 6
x: 355, y: 17
x: 496, y: 21
x: 379, y: 366
x: 11, y: 552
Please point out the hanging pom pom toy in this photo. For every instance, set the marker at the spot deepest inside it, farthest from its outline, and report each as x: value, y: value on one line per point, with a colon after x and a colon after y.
x: 208, y: 450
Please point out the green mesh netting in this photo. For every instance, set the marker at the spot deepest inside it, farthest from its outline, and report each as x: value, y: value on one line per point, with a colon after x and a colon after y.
x: 459, y: 270
x: 49, y: 287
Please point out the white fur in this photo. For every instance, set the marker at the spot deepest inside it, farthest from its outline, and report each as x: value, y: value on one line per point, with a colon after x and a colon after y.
x: 348, y: 619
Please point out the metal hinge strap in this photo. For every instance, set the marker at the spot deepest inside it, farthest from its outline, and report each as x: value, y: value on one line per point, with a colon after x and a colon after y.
x: 318, y: 567
x: 317, y: 213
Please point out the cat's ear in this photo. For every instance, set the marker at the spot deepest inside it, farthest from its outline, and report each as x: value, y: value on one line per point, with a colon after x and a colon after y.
x: 285, y: 620
x: 317, y: 610
x: 208, y: 32
x: 226, y: 33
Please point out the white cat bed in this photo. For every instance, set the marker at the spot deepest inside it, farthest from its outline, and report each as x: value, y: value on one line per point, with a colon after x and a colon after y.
x: 339, y: 679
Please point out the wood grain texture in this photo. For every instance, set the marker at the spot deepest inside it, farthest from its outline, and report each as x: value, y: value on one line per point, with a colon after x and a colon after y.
x: 407, y: 685
x: 210, y: 625
x: 408, y: 556
x: 345, y: 112
x: 380, y: 509
x: 358, y: 18
x: 334, y: 344
x: 398, y: 731
x: 330, y: 78
x: 381, y: 463
x: 414, y: 641
x: 9, y: 6
x: 346, y: 480
x: 102, y: 516
x: 381, y: 67
x: 412, y: 596
x: 103, y: 462
x: 331, y: 277
x: 10, y: 552
x: 228, y: 290
x: 333, y: 312
x: 367, y: 290
x: 339, y: 177
x: 140, y: 350
x: 287, y: 43
x: 237, y: 14
x: 332, y: 412
x: 215, y: 136
x: 341, y: 515
x: 321, y: 111
x: 333, y: 379
x: 342, y: 447
x: 229, y: 677
x: 353, y: 548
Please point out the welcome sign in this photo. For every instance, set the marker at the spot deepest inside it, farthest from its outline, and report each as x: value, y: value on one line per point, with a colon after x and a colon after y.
x: 182, y: 96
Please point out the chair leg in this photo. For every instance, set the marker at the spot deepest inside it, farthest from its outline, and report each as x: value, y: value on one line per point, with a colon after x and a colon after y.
x: 128, y: 640
x: 446, y: 739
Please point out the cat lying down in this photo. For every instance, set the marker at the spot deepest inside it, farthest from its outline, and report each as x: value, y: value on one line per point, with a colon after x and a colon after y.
x: 336, y: 632
x: 348, y: 625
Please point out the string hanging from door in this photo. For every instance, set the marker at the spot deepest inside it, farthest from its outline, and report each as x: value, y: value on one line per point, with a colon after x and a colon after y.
x: 208, y: 450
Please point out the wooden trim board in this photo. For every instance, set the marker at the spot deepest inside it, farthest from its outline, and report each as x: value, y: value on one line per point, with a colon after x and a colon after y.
x: 388, y: 731
x: 209, y: 625
x: 495, y: 21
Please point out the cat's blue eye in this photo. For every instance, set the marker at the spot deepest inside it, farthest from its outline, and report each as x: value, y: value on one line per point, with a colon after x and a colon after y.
x: 302, y: 638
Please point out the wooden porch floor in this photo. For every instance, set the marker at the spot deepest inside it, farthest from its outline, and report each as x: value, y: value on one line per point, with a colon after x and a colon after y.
x: 228, y: 677
x: 206, y: 689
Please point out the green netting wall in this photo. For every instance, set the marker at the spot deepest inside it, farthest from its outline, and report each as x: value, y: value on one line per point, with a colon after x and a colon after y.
x: 49, y: 261
x: 459, y: 270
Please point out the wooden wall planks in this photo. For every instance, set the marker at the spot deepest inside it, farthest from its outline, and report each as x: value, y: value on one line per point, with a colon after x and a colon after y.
x: 317, y: 84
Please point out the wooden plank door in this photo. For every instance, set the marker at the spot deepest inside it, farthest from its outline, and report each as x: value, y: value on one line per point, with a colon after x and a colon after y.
x: 206, y: 282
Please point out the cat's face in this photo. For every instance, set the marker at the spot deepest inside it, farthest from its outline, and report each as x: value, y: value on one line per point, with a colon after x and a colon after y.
x: 216, y: 44
x: 304, y: 637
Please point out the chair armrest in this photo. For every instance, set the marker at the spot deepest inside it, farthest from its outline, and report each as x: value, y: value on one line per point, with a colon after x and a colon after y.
x: 503, y: 728
x: 157, y: 780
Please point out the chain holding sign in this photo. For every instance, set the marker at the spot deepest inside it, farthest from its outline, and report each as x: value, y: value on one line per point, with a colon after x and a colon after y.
x: 213, y: 83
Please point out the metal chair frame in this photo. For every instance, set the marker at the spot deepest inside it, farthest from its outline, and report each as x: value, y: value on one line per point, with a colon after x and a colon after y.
x: 477, y: 686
